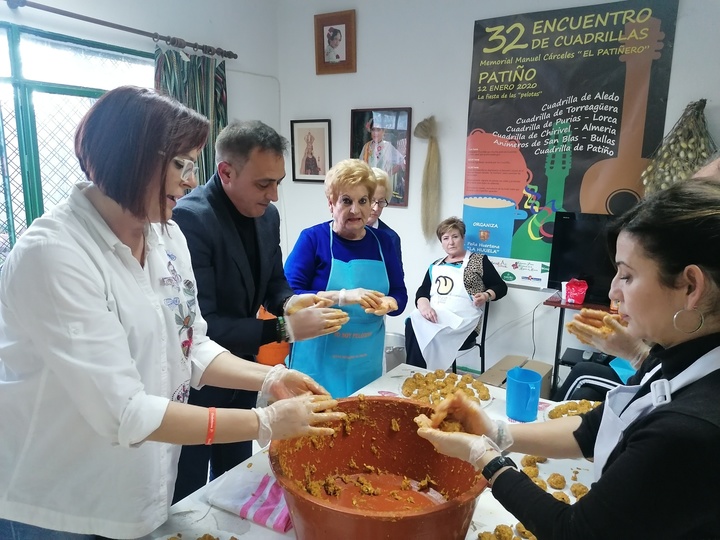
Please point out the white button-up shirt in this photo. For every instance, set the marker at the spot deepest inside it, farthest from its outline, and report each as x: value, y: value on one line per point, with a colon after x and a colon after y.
x: 93, y: 347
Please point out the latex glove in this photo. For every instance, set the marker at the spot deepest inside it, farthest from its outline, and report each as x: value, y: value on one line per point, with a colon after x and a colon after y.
x: 606, y: 333
x: 295, y: 417
x: 473, y: 419
x: 426, y: 310
x: 283, y: 383
x: 366, y: 298
x: 300, y: 301
x: 470, y: 448
x: 387, y: 304
x: 310, y: 322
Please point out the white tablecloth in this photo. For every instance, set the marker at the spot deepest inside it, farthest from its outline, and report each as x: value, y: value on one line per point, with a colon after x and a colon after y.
x: 194, y: 516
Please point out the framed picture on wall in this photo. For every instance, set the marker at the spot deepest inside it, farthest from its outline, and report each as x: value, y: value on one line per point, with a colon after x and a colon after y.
x: 381, y: 137
x: 310, y: 148
x: 335, y: 43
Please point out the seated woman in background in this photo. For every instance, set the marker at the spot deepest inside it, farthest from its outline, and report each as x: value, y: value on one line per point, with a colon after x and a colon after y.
x: 450, y: 300
x: 358, y: 268
x: 668, y: 286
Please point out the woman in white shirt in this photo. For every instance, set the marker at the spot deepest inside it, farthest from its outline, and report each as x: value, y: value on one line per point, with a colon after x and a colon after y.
x: 101, y: 339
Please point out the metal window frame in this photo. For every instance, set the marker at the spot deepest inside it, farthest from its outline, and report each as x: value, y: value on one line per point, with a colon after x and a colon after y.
x: 25, y: 114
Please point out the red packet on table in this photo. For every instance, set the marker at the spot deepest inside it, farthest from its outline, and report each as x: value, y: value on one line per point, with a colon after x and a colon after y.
x: 575, y: 291
x: 253, y: 496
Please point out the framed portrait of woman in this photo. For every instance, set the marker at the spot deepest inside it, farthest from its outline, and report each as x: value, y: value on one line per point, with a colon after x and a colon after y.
x: 310, y: 148
x: 335, y: 43
x: 381, y: 137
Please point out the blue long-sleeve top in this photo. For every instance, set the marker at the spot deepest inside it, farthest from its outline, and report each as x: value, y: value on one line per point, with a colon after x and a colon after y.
x: 307, y: 268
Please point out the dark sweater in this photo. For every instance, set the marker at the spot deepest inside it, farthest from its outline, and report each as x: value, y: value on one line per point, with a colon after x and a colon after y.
x: 662, y: 479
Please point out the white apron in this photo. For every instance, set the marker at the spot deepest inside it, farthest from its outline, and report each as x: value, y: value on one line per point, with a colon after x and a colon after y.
x: 613, y: 423
x: 456, y: 314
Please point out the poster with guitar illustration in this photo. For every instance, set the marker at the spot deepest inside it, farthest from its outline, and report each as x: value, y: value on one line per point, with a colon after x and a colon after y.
x: 565, y: 108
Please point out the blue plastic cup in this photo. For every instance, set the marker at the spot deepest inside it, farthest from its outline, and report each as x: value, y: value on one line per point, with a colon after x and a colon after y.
x: 523, y: 394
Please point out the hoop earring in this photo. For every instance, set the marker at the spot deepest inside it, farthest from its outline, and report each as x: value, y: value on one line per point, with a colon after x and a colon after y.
x: 698, y: 327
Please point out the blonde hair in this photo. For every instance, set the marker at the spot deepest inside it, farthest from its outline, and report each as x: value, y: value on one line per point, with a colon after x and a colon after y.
x: 347, y: 174
x: 381, y: 178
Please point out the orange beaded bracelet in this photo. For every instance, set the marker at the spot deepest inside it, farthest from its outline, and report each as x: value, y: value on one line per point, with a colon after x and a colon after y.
x: 211, y: 426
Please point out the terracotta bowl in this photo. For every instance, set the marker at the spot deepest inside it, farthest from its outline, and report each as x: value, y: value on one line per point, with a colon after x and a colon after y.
x: 382, y: 436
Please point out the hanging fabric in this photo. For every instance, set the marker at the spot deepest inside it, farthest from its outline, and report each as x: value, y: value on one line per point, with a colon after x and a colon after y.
x: 198, y: 82
x: 430, y: 201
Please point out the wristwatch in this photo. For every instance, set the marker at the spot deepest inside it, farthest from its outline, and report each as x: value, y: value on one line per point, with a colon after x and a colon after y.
x: 495, y: 464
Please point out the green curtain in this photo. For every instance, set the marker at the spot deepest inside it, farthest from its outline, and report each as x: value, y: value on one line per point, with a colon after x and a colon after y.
x: 198, y: 82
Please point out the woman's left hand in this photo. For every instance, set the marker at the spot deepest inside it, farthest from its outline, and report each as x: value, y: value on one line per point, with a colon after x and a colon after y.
x: 387, y: 304
x: 480, y: 298
x: 465, y: 446
x: 282, y: 383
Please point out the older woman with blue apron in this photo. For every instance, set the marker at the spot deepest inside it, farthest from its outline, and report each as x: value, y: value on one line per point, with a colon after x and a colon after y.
x: 656, y: 440
x: 450, y: 300
x: 359, y: 269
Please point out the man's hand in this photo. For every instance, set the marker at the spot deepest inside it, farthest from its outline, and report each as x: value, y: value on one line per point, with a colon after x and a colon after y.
x: 301, y: 301
x: 310, y: 322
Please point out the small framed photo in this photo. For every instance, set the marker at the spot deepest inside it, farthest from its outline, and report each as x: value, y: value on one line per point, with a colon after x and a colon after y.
x: 310, y: 148
x: 335, y: 43
x: 381, y: 137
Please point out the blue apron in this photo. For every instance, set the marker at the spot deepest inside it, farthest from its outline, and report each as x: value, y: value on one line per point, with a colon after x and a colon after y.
x: 347, y: 360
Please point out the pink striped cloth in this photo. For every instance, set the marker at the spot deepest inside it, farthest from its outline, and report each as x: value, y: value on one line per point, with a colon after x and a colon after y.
x: 252, y: 496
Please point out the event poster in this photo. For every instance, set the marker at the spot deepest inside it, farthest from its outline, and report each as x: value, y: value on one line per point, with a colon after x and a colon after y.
x: 565, y: 108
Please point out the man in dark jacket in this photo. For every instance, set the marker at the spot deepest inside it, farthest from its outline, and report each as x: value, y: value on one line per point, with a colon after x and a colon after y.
x: 233, y: 233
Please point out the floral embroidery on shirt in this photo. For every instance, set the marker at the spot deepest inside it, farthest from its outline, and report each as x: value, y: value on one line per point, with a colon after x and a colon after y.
x: 174, y: 279
x: 182, y: 394
x: 189, y: 290
x: 184, y: 311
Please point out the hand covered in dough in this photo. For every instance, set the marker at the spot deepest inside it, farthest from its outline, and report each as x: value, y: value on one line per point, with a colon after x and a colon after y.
x: 310, y: 322
x: 301, y: 301
x: 366, y: 298
x: 295, y: 417
x: 282, y: 383
x: 607, y: 333
x: 472, y: 418
x: 387, y: 304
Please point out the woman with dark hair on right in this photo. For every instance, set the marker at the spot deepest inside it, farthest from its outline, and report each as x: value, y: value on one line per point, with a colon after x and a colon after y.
x: 655, y: 443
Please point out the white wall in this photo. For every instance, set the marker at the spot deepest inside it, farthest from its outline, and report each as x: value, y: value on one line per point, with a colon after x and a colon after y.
x: 417, y: 53
x: 411, y: 53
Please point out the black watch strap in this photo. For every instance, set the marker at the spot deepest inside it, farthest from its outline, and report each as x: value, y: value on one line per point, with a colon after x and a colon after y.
x: 495, y: 464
